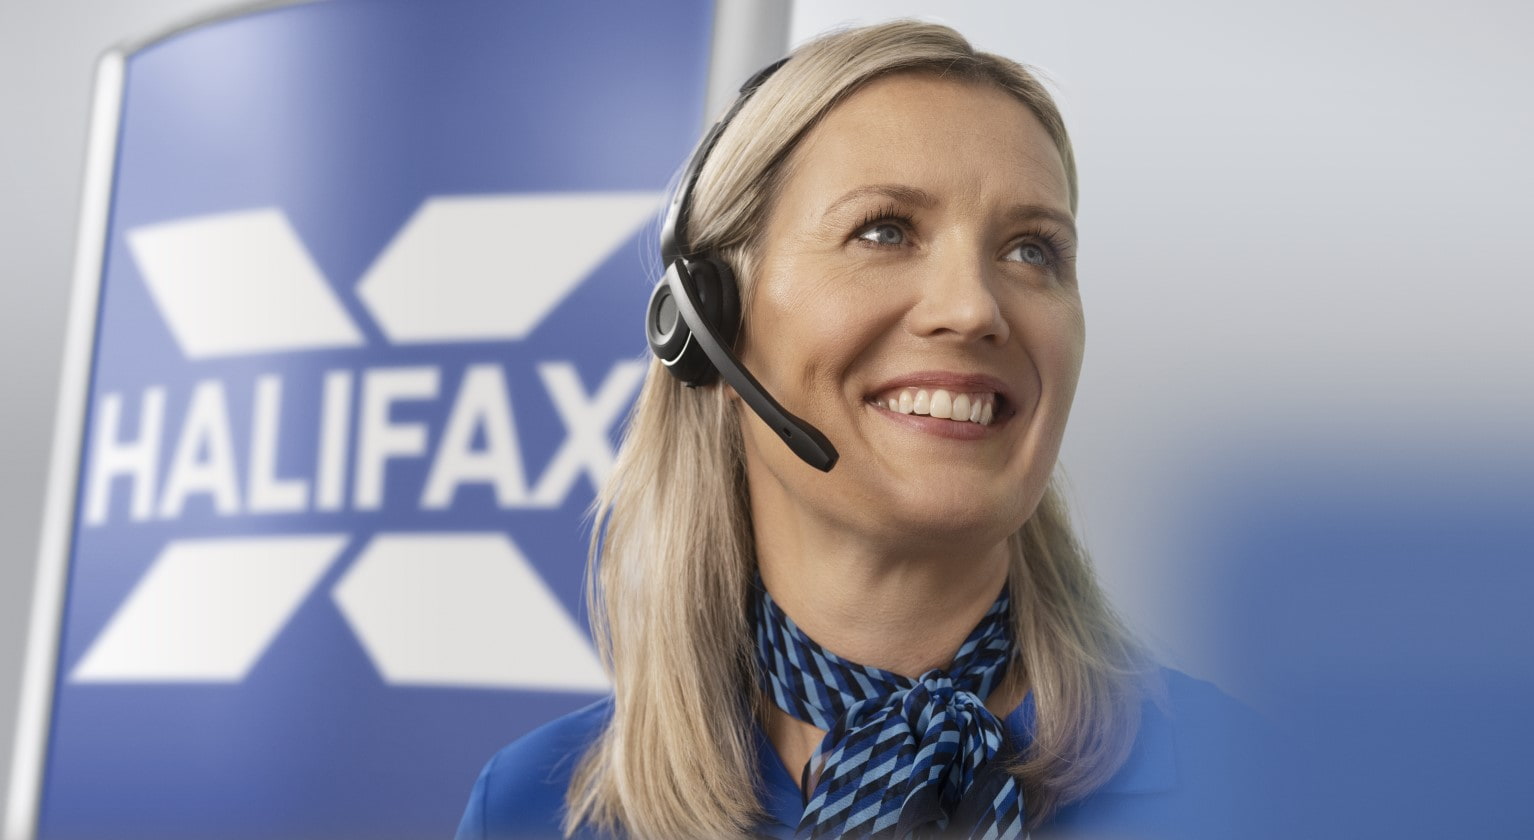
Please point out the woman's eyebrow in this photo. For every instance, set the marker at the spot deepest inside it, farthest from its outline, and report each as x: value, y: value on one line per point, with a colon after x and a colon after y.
x: 912, y: 196
x: 1026, y: 212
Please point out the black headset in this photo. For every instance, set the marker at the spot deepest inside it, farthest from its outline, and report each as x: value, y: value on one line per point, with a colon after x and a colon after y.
x: 694, y: 312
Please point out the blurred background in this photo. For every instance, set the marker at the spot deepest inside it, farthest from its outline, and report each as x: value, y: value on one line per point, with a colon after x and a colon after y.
x: 1300, y: 452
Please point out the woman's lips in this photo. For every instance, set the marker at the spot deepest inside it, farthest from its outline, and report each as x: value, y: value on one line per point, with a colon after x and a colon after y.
x: 961, y: 406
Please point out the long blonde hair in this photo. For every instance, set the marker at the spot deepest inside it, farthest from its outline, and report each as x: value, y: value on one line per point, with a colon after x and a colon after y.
x: 672, y: 554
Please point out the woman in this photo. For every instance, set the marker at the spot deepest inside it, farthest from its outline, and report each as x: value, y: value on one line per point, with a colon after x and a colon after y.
x: 912, y: 642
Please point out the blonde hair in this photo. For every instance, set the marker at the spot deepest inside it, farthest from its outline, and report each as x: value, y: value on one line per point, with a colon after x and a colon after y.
x: 672, y: 553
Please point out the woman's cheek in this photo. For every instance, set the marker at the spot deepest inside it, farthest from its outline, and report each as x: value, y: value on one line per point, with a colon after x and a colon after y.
x: 1054, y: 338
x: 1060, y: 324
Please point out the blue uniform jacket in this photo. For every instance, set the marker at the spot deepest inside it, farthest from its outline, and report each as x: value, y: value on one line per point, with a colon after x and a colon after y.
x: 1194, y: 772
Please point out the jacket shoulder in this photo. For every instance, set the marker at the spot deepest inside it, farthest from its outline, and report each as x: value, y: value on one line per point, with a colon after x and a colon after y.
x: 521, y: 790
x: 1196, y: 770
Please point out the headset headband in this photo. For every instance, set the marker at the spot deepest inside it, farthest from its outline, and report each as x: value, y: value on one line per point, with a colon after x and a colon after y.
x: 672, y: 246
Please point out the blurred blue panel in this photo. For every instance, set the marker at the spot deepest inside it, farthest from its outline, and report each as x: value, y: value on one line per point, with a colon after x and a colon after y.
x: 1379, y: 610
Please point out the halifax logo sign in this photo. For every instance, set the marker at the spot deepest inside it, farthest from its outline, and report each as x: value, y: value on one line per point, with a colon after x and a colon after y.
x: 243, y: 284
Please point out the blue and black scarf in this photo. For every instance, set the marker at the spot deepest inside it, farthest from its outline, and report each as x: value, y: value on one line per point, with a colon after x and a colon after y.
x: 901, y: 757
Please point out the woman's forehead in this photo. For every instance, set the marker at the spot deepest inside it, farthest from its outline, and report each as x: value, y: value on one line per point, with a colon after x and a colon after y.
x: 936, y: 134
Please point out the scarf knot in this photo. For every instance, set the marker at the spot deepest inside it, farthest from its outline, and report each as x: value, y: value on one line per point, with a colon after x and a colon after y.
x: 900, y: 755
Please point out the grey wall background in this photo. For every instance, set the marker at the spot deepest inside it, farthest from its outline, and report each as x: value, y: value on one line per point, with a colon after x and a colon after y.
x: 1304, y: 224
x: 1303, y: 233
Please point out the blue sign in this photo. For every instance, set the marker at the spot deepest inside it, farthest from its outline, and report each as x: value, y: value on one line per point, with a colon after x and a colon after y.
x: 369, y: 325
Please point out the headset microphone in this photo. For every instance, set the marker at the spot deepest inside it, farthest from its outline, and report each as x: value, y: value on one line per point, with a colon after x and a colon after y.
x: 695, y: 310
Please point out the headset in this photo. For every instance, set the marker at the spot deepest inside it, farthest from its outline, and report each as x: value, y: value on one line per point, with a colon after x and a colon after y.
x: 694, y: 312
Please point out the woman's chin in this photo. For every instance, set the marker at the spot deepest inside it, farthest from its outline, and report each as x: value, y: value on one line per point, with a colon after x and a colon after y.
x: 948, y: 521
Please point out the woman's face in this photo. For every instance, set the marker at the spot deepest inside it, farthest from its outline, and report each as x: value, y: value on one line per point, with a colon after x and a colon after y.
x: 919, y: 261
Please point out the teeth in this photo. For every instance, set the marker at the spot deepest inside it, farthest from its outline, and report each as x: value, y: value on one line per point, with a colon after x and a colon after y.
x: 942, y: 404
x: 971, y: 408
x: 960, y: 407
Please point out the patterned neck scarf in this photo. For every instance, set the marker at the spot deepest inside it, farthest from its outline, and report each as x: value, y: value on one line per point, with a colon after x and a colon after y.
x: 901, y: 757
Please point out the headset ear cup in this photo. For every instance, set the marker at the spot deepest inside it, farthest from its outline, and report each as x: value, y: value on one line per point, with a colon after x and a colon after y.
x: 715, y: 284
x: 725, y: 313
x: 669, y: 336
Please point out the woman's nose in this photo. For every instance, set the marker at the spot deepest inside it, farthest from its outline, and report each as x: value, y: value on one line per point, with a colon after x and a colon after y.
x: 958, y: 299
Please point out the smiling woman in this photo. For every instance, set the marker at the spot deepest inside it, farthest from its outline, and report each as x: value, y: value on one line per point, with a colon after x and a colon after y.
x: 896, y: 262
x: 912, y: 642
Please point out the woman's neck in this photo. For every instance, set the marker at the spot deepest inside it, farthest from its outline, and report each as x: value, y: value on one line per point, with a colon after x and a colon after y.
x: 901, y: 612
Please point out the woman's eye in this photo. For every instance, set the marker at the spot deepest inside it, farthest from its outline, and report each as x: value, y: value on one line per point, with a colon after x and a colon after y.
x: 884, y: 233
x: 1029, y: 252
